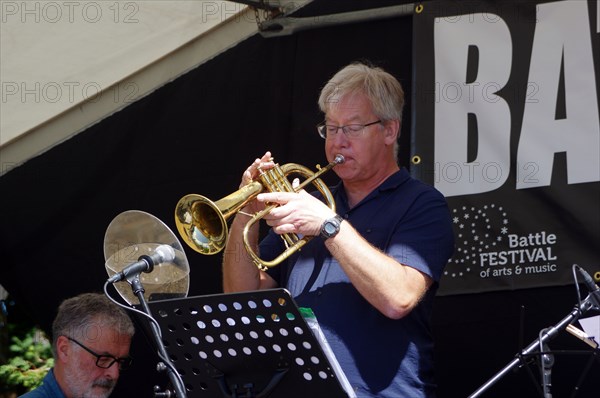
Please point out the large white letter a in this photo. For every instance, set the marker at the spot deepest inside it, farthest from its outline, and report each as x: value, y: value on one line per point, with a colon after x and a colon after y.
x: 561, y: 34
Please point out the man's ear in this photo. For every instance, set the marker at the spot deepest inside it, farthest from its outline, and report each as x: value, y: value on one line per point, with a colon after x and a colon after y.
x: 63, y: 349
x: 392, y: 131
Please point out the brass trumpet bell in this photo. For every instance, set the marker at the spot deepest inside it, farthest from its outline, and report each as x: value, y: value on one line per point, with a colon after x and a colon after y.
x: 203, y: 226
x: 202, y: 223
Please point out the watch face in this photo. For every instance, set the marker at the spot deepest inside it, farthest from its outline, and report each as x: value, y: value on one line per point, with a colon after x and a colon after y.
x: 329, y: 228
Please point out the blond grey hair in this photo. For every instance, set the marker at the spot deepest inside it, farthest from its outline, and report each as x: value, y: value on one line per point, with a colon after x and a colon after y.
x: 383, y: 90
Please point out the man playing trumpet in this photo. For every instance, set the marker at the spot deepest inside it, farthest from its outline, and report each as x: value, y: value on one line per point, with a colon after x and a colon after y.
x: 370, y: 274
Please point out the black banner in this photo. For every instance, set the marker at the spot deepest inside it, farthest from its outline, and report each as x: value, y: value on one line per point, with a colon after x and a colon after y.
x: 506, y: 126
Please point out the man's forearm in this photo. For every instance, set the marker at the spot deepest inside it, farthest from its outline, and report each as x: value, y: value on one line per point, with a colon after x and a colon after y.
x: 239, y: 271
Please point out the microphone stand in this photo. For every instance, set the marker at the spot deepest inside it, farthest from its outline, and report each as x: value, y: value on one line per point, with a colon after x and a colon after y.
x: 138, y: 290
x: 539, y: 345
x: 546, y: 362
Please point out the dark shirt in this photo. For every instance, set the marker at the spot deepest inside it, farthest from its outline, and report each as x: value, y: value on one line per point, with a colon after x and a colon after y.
x: 381, y: 357
x: 48, y: 389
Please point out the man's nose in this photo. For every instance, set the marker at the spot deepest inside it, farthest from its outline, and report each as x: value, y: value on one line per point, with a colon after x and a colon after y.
x: 113, y: 372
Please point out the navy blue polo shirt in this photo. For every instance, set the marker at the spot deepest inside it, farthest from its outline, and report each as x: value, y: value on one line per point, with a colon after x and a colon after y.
x: 381, y: 357
x: 48, y: 389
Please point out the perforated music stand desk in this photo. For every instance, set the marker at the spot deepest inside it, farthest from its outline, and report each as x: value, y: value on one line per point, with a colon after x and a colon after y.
x: 251, y: 344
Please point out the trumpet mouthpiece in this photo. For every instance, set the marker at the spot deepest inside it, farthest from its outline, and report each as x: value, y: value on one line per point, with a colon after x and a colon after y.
x: 339, y: 159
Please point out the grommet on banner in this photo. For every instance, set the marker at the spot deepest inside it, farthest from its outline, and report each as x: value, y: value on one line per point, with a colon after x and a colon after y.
x: 419, y: 9
x: 415, y: 159
x: 597, y: 276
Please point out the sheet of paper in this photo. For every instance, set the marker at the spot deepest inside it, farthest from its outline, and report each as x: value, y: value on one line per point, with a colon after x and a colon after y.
x: 591, y: 327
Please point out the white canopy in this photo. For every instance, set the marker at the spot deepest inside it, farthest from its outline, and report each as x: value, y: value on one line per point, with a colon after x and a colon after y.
x: 65, y: 65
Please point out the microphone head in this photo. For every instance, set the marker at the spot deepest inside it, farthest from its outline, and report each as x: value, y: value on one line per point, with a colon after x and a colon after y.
x: 166, y: 253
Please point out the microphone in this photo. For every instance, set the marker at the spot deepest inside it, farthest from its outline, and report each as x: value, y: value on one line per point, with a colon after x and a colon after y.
x: 591, y: 286
x: 162, y: 254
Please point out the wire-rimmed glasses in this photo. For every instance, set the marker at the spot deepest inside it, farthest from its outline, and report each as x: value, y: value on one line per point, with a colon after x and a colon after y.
x: 351, y: 130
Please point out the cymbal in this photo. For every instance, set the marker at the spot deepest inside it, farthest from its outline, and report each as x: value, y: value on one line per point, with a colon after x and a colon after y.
x: 134, y: 233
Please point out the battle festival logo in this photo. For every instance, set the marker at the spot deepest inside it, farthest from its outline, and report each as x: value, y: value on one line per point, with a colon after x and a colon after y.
x: 486, y: 248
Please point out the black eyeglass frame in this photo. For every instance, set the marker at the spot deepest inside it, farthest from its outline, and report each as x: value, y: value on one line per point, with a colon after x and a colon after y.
x: 124, y: 363
x: 322, y: 128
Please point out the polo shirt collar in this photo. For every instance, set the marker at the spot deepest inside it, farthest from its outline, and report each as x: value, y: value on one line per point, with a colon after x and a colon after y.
x: 391, y: 183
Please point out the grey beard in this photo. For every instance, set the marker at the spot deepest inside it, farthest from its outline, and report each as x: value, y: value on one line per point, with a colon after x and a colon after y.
x: 82, y: 391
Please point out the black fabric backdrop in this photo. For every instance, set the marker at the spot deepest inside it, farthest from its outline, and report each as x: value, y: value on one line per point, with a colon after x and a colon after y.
x: 196, y: 135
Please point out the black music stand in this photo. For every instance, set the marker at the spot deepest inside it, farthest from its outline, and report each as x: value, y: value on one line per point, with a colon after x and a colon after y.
x: 245, y: 345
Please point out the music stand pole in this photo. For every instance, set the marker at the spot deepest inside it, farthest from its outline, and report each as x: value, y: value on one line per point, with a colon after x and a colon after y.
x: 545, y: 336
x: 138, y: 290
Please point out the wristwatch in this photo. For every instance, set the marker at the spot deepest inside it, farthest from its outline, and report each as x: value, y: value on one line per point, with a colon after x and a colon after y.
x: 331, y: 227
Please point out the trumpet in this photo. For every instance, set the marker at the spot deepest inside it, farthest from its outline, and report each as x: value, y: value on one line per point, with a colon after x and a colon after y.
x: 202, y: 223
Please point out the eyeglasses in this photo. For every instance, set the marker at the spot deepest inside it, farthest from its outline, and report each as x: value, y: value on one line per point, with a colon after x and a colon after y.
x: 105, y: 361
x: 351, y: 130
